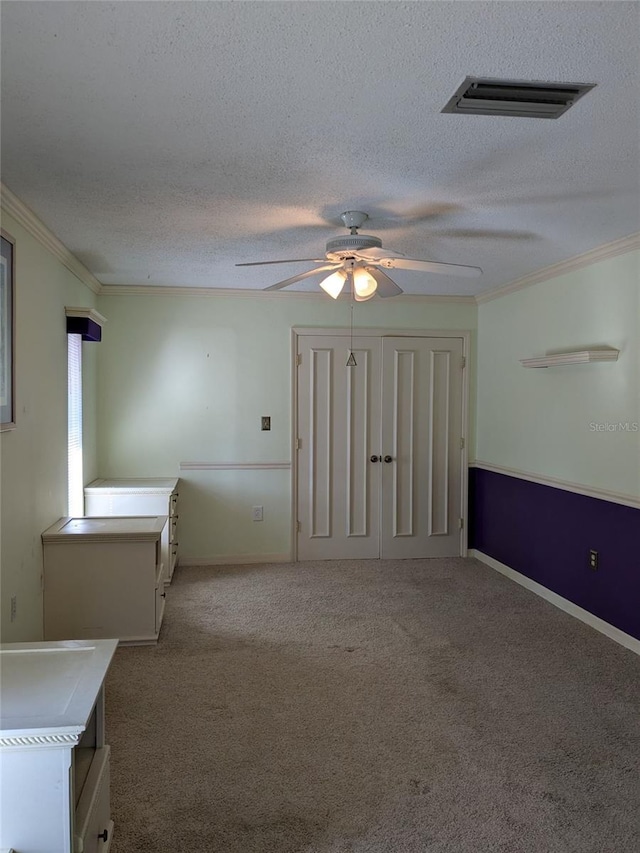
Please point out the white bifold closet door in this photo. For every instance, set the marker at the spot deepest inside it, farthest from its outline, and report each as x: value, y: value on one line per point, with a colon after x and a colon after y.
x: 379, y: 459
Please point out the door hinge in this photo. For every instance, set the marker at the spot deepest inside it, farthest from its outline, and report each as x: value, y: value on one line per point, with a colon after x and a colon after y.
x: 299, y: 359
x: 298, y: 526
x: 298, y: 443
x: 462, y: 444
x: 461, y: 523
x: 463, y: 363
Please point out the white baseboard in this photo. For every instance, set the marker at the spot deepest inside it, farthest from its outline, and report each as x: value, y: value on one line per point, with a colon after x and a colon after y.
x: 569, y: 607
x: 235, y: 560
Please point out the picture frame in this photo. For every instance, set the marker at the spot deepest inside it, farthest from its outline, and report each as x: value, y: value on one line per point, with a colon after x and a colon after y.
x: 7, y: 331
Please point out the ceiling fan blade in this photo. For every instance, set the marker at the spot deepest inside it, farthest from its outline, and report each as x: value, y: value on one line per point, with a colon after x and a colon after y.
x: 429, y: 266
x: 382, y: 216
x: 427, y: 212
x: 386, y: 287
x: 485, y: 233
x: 302, y: 275
x: 288, y: 261
x: 376, y: 254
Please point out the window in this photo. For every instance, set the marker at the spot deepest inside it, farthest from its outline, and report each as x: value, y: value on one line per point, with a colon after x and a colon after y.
x: 75, y: 490
x: 83, y: 324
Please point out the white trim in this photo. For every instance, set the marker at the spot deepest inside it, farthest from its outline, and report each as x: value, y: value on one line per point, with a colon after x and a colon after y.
x: 569, y: 607
x: 173, y: 290
x: 88, y: 313
x: 234, y: 560
x: 25, y: 217
x: 589, y: 491
x: 593, y: 256
x: 234, y: 466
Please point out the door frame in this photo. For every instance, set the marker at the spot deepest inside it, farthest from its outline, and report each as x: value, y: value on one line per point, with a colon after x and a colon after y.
x: 465, y: 334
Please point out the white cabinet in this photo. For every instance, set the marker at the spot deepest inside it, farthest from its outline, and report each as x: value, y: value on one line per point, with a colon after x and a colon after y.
x: 103, y: 577
x: 151, y: 496
x: 54, y: 763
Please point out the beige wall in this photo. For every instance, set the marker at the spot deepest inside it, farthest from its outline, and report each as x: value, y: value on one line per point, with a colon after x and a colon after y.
x: 33, y: 456
x: 546, y: 421
x: 186, y: 378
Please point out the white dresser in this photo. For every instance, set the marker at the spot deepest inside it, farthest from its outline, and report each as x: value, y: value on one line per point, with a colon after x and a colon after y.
x: 103, y: 577
x: 54, y: 763
x: 151, y: 496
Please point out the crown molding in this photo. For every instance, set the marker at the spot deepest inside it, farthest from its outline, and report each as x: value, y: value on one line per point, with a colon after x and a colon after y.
x: 12, y: 205
x: 601, y: 253
x: 154, y: 290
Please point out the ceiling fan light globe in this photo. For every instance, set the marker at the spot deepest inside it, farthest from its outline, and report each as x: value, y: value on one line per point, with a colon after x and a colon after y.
x: 363, y: 298
x: 364, y: 285
x: 334, y: 283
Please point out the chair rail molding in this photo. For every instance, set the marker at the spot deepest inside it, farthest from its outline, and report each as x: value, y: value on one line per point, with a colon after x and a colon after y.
x: 234, y: 466
x: 556, y: 482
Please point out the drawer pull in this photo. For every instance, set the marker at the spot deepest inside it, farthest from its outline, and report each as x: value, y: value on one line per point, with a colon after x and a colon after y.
x: 163, y: 595
x: 104, y: 835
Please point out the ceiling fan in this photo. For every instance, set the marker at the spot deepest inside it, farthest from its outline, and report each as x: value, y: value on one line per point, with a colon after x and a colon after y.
x: 358, y: 258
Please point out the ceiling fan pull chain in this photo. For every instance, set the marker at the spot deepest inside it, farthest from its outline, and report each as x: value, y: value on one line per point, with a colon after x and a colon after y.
x: 351, y: 361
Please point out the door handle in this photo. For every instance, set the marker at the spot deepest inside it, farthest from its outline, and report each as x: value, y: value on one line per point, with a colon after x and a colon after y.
x: 376, y: 458
x: 388, y: 459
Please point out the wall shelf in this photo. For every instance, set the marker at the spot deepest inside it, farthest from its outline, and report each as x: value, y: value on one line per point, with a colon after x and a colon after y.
x: 574, y: 357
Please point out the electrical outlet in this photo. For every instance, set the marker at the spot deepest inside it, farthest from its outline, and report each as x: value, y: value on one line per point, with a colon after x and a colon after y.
x: 265, y: 421
x: 256, y: 513
x: 593, y: 560
x: 14, y: 608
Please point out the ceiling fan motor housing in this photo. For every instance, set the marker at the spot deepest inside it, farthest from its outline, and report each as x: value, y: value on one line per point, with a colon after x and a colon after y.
x: 342, y: 248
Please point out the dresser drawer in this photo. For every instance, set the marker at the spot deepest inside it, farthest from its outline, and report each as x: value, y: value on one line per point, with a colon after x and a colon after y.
x: 93, y: 826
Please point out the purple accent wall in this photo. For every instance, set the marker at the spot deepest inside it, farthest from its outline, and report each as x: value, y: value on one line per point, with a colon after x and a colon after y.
x: 545, y: 533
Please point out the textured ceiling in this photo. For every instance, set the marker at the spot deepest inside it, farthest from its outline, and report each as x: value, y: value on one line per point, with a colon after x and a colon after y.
x: 165, y: 142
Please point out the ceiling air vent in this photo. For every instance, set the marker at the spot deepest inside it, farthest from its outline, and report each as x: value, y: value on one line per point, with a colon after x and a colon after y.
x: 486, y: 96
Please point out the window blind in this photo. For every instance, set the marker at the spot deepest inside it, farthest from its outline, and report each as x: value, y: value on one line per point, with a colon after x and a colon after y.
x: 74, y: 414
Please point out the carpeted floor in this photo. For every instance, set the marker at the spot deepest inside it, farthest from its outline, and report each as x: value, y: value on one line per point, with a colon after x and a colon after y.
x: 370, y: 706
